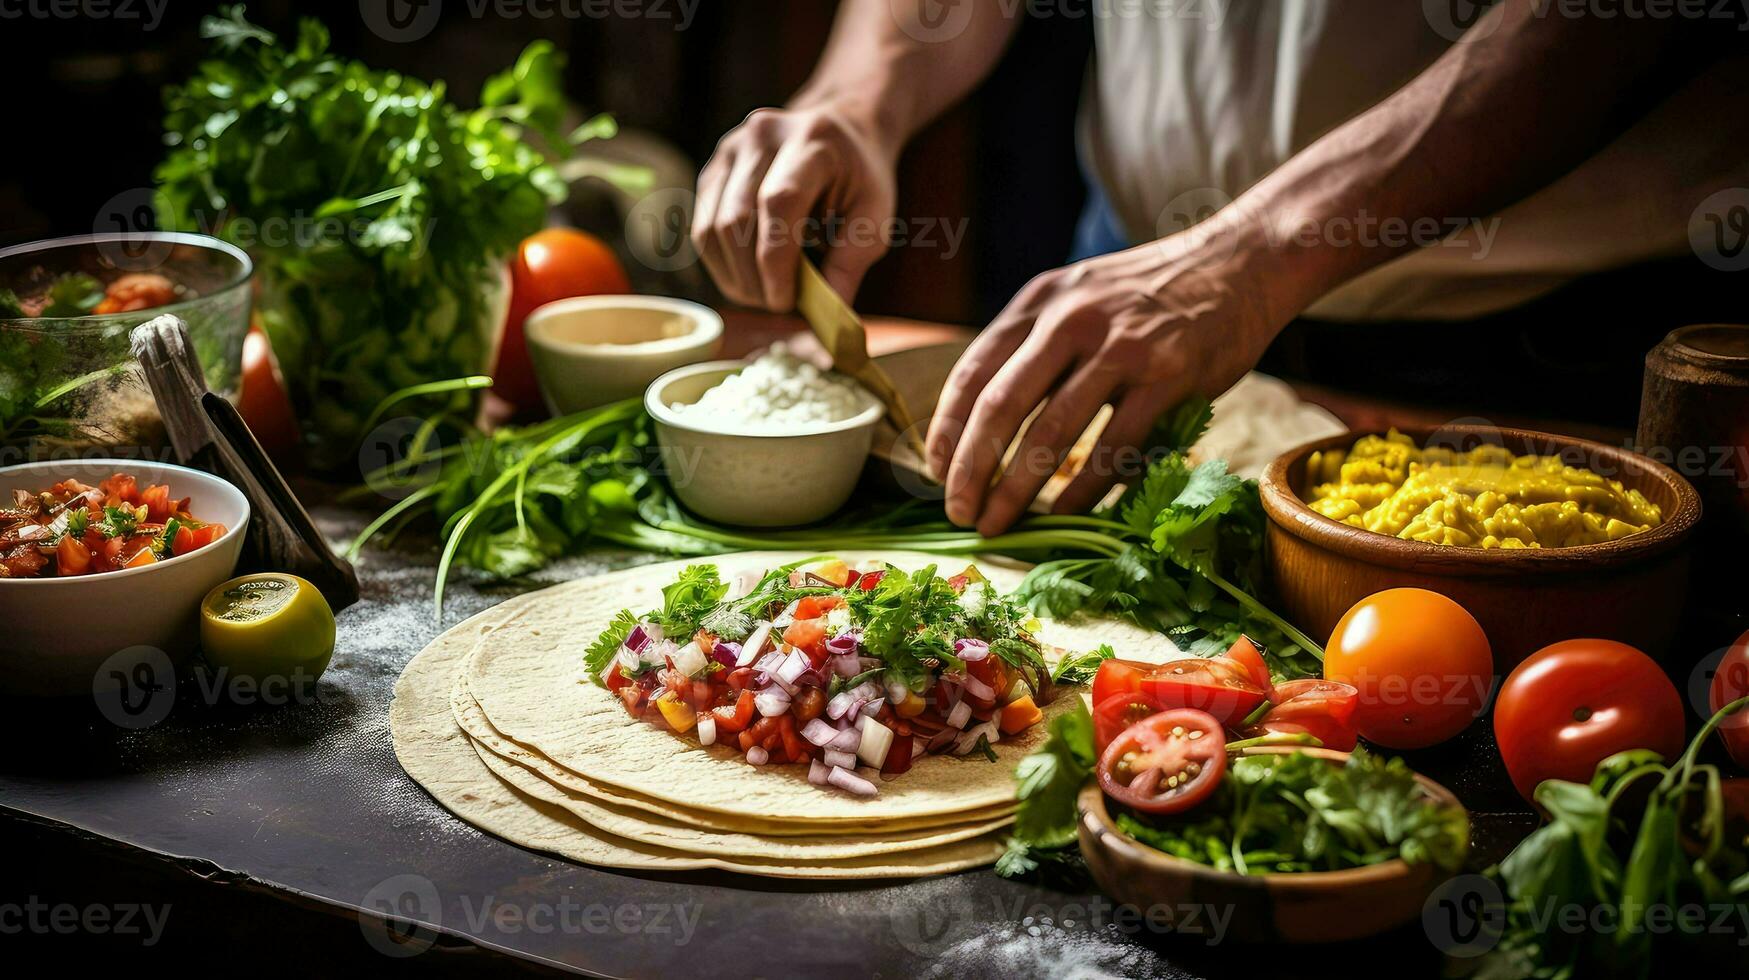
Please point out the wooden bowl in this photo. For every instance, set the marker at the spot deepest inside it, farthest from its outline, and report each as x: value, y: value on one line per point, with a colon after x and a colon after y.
x: 1308, y: 907
x: 1631, y: 590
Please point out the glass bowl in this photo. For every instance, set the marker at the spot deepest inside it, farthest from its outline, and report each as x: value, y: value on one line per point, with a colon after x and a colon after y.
x: 69, y: 386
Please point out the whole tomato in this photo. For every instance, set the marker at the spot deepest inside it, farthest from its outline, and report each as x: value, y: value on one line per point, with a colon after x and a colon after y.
x: 261, y: 397
x: 1420, y: 661
x: 1730, y: 682
x: 553, y: 264
x: 1573, y: 704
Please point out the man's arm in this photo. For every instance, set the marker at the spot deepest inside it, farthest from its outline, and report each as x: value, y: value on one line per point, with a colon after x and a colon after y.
x: 888, y: 69
x: 1522, y: 99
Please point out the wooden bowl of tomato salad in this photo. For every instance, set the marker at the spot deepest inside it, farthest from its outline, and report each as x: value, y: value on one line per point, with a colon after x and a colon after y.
x: 1300, y: 907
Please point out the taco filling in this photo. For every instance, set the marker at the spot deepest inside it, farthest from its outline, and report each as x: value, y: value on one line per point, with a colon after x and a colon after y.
x: 852, y: 672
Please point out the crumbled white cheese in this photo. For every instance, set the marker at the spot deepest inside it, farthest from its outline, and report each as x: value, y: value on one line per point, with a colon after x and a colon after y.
x: 777, y: 392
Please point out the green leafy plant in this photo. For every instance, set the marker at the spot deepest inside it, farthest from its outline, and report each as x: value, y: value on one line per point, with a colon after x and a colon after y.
x: 377, y: 211
x: 1645, y: 838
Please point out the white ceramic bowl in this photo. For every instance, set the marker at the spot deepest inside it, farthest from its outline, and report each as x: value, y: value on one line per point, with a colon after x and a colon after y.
x: 58, y: 632
x: 763, y: 480
x: 592, y: 350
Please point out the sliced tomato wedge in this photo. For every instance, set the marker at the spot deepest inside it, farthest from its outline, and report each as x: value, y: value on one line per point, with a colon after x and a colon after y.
x: 1119, y: 677
x: 815, y: 606
x: 1319, y: 708
x: 1218, y: 686
x: 1166, y: 763
x: 1117, y: 713
x: 733, y: 718
x: 1248, y: 657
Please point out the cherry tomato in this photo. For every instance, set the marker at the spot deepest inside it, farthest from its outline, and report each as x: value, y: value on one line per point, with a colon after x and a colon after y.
x: 1321, y: 709
x: 1573, y: 704
x: 1421, y: 663
x: 1167, y: 763
x: 1730, y: 682
x: 1118, y: 677
x: 553, y: 264
x: 1217, y: 686
x: 261, y: 397
x: 1117, y: 713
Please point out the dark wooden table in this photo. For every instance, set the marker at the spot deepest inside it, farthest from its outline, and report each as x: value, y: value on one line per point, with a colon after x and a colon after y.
x: 273, y: 837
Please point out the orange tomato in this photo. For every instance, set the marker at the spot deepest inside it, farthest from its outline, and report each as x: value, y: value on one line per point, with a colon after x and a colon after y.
x: 1420, y: 661
x: 553, y: 264
x: 72, y: 557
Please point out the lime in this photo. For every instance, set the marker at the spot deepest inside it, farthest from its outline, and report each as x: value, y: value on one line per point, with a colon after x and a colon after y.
x: 268, y: 624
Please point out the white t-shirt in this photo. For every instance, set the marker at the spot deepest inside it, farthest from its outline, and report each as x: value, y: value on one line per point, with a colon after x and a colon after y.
x: 1190, y: 102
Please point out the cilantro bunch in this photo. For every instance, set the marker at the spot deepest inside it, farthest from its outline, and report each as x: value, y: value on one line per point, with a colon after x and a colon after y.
x: 376, y: 209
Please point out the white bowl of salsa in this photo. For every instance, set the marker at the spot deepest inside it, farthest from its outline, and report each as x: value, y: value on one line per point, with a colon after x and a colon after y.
x: 96, y: 631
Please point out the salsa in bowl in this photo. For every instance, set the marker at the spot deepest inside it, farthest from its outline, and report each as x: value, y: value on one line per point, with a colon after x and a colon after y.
x: 122, y: 600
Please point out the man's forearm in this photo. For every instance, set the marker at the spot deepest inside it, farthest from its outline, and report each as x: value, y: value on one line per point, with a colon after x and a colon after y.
x: 897, y: 65
x: 1493, y: 119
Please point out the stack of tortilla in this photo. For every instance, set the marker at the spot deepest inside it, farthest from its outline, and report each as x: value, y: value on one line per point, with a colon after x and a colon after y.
x: 499, y: 722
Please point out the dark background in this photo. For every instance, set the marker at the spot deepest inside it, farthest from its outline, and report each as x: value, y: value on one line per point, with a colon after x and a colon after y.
x: 85, y: 119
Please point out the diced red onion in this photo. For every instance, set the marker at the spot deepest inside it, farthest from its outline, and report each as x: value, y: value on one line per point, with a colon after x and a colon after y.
x: 960, y: 714
x: 845, y: 642
x: 641, y: 635
x: 950, y: 690
x: 726, y: 652
x: 770, y: 661
x: 877, y: 742
x: 968, y: 739
x: 896, y: 691
x: 845, y: 665
x: 689, y: 660
x: 843, y: 760
x: 849, y: 781
x: 920, y: 747
x: 755, y: 643
x: 771, y: 703
x: 848, y: 740
x: 978, y: 689
x: 871, y: 708
x: 629, y: 659
x: 840, y: 703
x: 758, y: 756
x: 818, y: 732
x: 942, y: 739
x: 707, y: 729
x: 817, y: 771
x: 792, y: 667
x: 743, y: 583
x: 970, y: 650
x: 657, y: 652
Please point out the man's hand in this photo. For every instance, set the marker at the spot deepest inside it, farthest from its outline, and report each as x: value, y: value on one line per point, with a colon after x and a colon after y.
x: 761, y: 196
x: 1139, y: 330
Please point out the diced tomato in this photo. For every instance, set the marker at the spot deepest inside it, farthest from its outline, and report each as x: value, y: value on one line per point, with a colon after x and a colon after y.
x: 732, y: 718
x: 72, y: 557
x: 739, y: 678
x: 1248, y: 657
x: 868, y: 580
x: 851, y: 580
x: 183, y: 541
x: 119, y: 489
x: 793, y: 746
x: 1019, y: 715
x: 959, y: 582
x: 636, y: 698
x: 206, y: 534
x: 815, y: 606
x: 143, y: 557
x: 809, y: 703
x: 156, y: 500
x: 808, y: 636
x: 617, y: 679
x: 761, y: 730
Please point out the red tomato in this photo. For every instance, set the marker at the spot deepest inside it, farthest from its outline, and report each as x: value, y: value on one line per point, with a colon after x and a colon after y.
x: 899, y: 756
x: 1421, y: 663
x: 733, y: 718
x: 553, y: 264
x: 1248, y: 657
x: 808, y: 636
x: 157, y: 503
x: 183, y: 542
x: 1116, y: 677
x: 815, y: 606
x: 206, y: 534
x: 616, y: 679
x: 1321, y: 709
x: 868, y: 580
x: 1573, y: 704
x: 1730, y: 682
x: 261, y: 397
x: 1167, y: 763
x: 1217, y: 686
x: 72, y: 557
x: 1117, y: 713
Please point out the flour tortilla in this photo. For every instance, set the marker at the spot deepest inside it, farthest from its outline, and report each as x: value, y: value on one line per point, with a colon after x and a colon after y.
x: 528, y: 678
x: 438, y: 755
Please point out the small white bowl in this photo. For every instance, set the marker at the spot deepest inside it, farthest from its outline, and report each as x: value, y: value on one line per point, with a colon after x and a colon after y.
x: 60, y: 631
x: 592, y: 350
x: 756, y: 480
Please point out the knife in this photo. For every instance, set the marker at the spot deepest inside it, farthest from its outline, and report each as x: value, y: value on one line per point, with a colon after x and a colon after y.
x: 841, y: 332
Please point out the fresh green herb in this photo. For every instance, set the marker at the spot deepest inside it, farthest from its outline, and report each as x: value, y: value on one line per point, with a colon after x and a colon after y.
x: 844, y: 684
x: 1080, y: 668
x: 606, y: 646
x: 400, y: 206
x: 78, y: 519
x: 689, y: 599
x: 167, y: 541
x: 119, y: 522
x: 1049, y: 780
x: 1296, y: 812
x: 728, y: 623
x: 1644, y: 840
x: 983, y: 749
